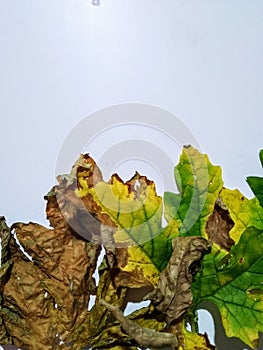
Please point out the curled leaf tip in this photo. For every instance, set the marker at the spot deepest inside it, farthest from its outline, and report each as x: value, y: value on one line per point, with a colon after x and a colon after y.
x: 173, y: 295
x: 145, y: 337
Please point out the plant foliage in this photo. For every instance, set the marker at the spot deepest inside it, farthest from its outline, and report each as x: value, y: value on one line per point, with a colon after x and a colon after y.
x: 209, y: 250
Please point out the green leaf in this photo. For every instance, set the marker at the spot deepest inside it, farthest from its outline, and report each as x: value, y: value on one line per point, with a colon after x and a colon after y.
x: 256, y: 183
x: 261, y: 157
x: 199, y: 183
x: 234, y: 282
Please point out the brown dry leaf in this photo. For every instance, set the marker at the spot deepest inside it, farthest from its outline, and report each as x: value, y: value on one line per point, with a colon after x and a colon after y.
x: 95, y: 329
x: 46, y: 299
x: 5, y: 267
x: 84, y: 214
x: 219, y: 225
x: 5, y: 236
x: 173, y: 295
x: 143, y: 336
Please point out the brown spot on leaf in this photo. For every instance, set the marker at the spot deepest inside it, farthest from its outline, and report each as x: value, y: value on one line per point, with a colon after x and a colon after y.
x: 88, y: 169
x: 136, y: 295
x: 219, y: 225
x: 241, y: 260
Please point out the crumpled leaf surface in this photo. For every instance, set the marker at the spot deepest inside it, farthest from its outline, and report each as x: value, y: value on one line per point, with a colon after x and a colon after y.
x: 145, y: 337
x: 219, y: 225
x: 233, y: 281
x: 45, y: 301
x: 96, y: 330
x: 173, y: 295
x: 5, y: 267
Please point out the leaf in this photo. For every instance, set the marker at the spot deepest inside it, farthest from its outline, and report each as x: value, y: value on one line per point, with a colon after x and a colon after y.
x: 256, y: 183
x: 5, y: 236
x: 5, y: 267
x: 190, y: 340
x: 219, y: 225
x: 129, y: 206
x: 195, y: 341
x: 96, y: 328
x: 261, y: 157
x: 173, y: 295
x: 199, y: 183
x: 234, y: 282
x: 134, y: 208
x: 133, y: 205
x: 244, y: 212
x: 46, y: 298
x: 145, y: 337
x: 100, y: 330
x: 144, y: 322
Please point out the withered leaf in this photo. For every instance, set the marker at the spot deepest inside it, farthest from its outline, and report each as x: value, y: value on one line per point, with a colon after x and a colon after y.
x: 173, y: 295
x: 5, y: 268
x: 46, y: 299
x: 44, y: 302
x: 143, y: 336
x: 219, y: 225
x: 5, y: 236
x: 95, y: 328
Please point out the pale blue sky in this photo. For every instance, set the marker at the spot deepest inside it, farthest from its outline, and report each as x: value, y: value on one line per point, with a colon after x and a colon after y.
x: 63, y: 60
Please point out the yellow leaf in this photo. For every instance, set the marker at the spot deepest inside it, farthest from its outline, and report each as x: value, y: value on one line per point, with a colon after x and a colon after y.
x: 244, y: 212
x: 136, y: 209
x: 194, y: 341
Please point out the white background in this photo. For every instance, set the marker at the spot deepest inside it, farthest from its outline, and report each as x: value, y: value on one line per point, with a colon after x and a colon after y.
x: 62, y: 60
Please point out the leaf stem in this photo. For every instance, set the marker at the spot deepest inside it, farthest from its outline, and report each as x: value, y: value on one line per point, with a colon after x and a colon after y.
x: 193, y: 321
